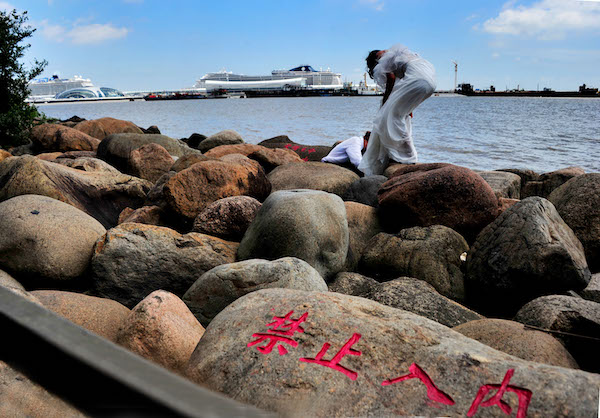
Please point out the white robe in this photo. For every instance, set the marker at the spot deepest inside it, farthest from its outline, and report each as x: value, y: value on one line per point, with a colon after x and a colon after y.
x: 391, y: 135
x: 348, y: 150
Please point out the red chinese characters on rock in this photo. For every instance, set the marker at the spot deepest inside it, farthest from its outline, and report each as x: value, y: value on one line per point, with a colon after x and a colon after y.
x: 334, y: 363
x: 523, y: 394
x: 433, y: 392
x: 281, y: 329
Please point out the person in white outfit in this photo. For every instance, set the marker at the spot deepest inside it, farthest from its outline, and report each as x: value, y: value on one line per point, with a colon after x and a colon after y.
x: 351, y: 149
x: 407, y: 80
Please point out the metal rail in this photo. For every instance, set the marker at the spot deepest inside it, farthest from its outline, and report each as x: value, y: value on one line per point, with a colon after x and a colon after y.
x: 95, y: 375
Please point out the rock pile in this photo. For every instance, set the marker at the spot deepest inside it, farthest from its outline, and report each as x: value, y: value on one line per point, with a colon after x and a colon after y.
x: 422, y: 292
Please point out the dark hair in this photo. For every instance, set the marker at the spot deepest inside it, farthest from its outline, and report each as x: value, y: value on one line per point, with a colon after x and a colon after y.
x: 372, y: 61
x: 367, y: 136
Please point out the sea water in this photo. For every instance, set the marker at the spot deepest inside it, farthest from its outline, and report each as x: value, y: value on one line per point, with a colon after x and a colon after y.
x: 486, y: 133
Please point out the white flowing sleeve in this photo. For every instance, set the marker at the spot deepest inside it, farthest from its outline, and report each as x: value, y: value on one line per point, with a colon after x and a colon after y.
x: 394, y: 60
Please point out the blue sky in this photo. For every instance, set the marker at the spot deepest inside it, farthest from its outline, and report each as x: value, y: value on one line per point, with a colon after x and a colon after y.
x: 147, y: 44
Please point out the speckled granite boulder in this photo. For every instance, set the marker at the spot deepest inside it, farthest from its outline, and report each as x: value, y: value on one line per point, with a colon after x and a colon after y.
x: 302, y: 374
x: 217, y: 288
x: 306, y: 224
x: 405, y: 293
x: 162, y: 329
x: 132, y: 260
x: 45, y: 239
x: 326, y: 177
x: 527, y: 252
x: 571, y: 317
x: 227, y: 218
x: 432, y: 254
x: 578, y: 203
x: 515, y: 339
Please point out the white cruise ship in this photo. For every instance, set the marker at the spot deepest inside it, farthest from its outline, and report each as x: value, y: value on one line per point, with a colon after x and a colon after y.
x: 49, y: 87
x: 303, y: 76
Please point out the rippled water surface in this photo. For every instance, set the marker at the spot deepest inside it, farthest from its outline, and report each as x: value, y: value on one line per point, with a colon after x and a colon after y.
x: 542, y: 134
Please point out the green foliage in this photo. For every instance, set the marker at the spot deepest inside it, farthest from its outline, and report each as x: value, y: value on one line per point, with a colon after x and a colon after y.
x: 16, y: 116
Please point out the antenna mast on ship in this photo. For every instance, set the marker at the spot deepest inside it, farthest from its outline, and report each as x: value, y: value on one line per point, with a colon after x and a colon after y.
x: 455, y: 74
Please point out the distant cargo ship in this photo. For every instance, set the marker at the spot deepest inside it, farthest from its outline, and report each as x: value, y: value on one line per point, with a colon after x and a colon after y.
x: 303, y: 76
x: 584, y: 91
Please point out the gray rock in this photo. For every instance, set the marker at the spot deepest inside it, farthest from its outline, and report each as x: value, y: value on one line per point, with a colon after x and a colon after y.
x: 326, y: 177
x: 405, y: 293
x: 574, y: 319
x: 44, y: 238
x: 429, y: 253
x: 226, y: 137
x: 306, y: 224
x: 217, y: 288
x: 515, y: 339
x: 578, y: 203
x: 116, y: 148
x: 7, y: 280
x: 364, y: 190
x: 363, y: 224
x: 503, y: 184
x: 133, y: 260
x: 227, y: 218
x: 548, y: 182
x: 592, y: 291
x: 525, y: 175
x: 528, y: 251
x: 381, y: 344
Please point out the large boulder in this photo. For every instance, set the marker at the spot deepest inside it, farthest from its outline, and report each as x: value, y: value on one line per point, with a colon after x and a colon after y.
x: 222, y: 150
x: 527, y: 252
x: 133, y: 260
x: 54, y: 137
x: 363, y: 224
x: 116, y: 149
x: 305, y: 152
x: 191, y: 190
x: 270, y: 159
x: 162, y: 329
x: 150, y: 162
x: 326, y: 354
x: 306, y: 224
x: 329, y: 178
x: 43, y: 238
x: 546, y: 183
x: 98, y: 315
x: 21, y: 396
x: 432, y: 254
x: 407, y: 293
x: 437, y: 194
x: 102, y: 195
x: 578, y: 203
x: 89, y: 164
x: 226, y: 137
x: 227, y: 218
x: 188, y: 160
x: 217, y: 288
x: 517, y: 340
x: 504, y: 184
x: 364, y: 190
x: 103, y: 127
x: 573, y: 321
